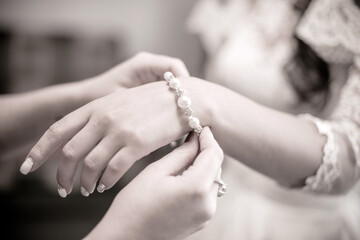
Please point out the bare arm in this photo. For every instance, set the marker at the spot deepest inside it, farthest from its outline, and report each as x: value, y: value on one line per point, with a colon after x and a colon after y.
x: 25, y: 116
x: 282, y: 146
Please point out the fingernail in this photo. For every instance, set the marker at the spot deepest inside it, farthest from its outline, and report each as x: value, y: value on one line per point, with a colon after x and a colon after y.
x: 26, y: 166
x: 93, y: 189
x: 84, y: 192
x: 62, y: 191
x: 100, y: 188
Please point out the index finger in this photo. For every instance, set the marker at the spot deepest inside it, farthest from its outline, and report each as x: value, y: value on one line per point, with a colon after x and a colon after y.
x: 53, y: 138
x: 208, y: 163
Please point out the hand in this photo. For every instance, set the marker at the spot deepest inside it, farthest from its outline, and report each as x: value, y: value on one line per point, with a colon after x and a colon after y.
x: 112, y: 133
x: 171, y: 206
x: 141, y: 69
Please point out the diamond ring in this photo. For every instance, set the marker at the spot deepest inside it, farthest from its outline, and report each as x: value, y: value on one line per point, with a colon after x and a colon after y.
x: 222, y: 187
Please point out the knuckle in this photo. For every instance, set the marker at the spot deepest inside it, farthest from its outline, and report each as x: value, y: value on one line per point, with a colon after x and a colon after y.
x: 105, y: 118
x: 68, y: 153
x: 198, y: 191
x: 207, y: 211
x: 54, y: 131
x: 137, y: 139
x: 91, y: 164
x: 114, y: 167
x: 132, y: 135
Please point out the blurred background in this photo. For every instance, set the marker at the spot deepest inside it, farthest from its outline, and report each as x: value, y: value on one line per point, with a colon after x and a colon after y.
x: 248, y: 46
x: 47, y: 42
x: 50, y: 42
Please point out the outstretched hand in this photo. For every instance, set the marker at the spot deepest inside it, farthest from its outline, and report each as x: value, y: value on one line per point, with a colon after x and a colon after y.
x: 108, y: 128
x: 110, y: 134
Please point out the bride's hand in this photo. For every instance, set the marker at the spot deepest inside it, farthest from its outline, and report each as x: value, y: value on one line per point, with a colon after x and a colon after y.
x: 112, y: 133
x: 170, y: 206
x: 143, y: 68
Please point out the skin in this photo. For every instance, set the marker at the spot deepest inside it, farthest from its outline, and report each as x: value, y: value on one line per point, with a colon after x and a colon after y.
x: 28, y: 115
x: 279, y: 145
x: 172, y: 205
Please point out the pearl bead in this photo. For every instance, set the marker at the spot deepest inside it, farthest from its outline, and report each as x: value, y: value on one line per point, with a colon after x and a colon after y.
x: 184, y: 102
x: 174, y: 83
x: 193, y: 122
x: 168, y: 76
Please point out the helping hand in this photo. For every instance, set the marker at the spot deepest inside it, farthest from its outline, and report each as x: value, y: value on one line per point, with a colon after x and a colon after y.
x: 171, y: 206
x: 141, y: 69
x: 111, y: 133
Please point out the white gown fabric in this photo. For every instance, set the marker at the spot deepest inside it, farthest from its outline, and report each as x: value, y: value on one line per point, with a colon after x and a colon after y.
x: 332, y: 28
x: 256, y: 207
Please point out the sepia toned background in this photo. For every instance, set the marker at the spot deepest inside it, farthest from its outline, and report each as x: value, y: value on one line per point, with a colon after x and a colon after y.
x: 52, y: 42
x: 246, y: 46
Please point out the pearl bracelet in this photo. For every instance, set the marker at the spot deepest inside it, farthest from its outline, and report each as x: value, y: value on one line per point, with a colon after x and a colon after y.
x: 183, y: 102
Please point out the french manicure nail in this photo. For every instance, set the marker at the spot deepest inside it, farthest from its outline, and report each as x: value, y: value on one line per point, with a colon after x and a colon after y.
x: 26, y: 166
x: 62, y: 191
x: 84, y: 192
x: 101, y: 188
x: 93, y: 189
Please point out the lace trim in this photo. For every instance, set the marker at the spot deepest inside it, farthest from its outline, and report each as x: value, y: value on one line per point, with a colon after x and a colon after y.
x: 333, y: 29
x: 349, y: 105
x: 347, y: 114
x: 328, y: 172
x: 352, y: 132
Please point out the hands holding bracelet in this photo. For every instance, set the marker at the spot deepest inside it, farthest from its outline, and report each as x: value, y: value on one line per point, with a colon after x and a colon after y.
x: 173, y: 204
x: 111, y: 133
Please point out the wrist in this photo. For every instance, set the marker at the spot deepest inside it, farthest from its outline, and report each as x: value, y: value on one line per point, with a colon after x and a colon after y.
x: 59, y: 100
x: 93, y: 88
x: 202, y: 94
x: 102, y: 85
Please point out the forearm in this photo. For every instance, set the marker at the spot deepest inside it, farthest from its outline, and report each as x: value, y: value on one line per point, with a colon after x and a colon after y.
x: 281, y: 146
x: 26, y: 116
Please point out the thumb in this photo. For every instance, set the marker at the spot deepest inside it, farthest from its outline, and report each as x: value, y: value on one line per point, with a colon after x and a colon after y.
x: 208, y: 163
x: 180, y: 158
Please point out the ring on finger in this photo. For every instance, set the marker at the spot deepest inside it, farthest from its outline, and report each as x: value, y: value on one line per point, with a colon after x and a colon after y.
x: 222, y: 187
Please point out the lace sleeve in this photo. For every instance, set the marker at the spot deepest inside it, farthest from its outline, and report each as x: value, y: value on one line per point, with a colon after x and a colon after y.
x: 328, y: 171
x: 332, y: 28
x: 347, y: 114
x: 346, y: 122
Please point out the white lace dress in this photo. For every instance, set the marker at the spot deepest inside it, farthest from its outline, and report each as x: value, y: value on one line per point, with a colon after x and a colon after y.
x: 332, y: 28
x: 256, y: 207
